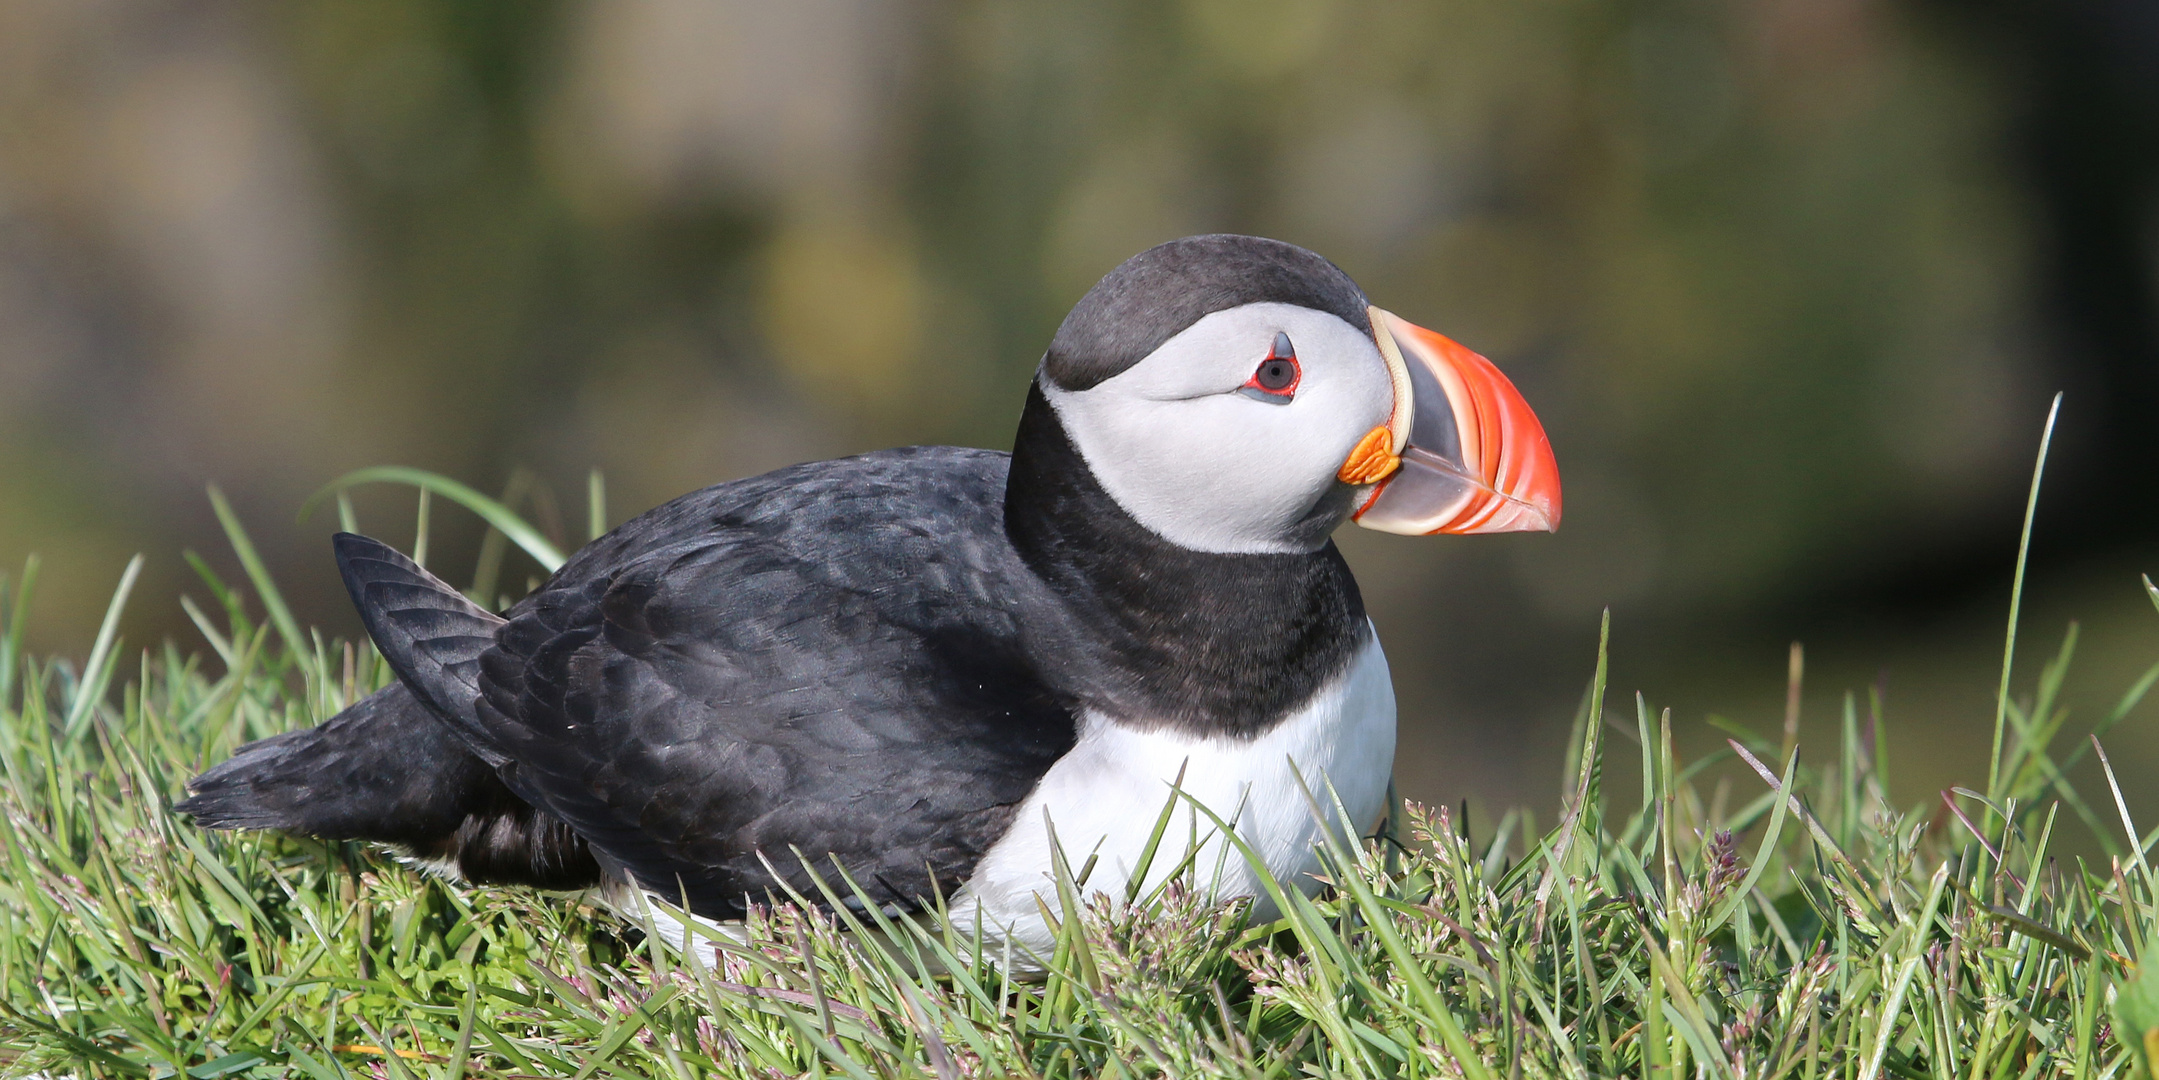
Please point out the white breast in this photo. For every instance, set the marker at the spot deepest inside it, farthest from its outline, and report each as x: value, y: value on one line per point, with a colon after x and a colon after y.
x: 1105, y: 797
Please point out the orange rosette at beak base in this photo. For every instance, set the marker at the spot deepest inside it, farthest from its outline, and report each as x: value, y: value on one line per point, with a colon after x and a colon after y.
x: 1373, y: 460
x: 1474, y: 457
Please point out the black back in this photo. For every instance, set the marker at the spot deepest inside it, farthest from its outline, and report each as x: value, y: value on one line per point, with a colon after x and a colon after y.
x: 827, y: 659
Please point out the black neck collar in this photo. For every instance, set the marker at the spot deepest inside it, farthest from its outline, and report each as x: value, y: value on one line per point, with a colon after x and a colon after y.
x: 1208, y: 643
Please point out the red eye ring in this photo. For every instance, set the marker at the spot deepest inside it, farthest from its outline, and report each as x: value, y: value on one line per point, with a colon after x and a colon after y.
x: 1278, y: 373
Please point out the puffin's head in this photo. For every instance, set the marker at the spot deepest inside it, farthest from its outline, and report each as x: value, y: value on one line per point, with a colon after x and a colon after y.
x: 1236, y: 394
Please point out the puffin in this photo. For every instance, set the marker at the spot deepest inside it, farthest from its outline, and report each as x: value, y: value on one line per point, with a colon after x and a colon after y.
x: 939, y: 671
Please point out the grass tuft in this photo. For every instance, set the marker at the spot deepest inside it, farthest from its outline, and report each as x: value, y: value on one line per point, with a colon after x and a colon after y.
x: 1808, y: 927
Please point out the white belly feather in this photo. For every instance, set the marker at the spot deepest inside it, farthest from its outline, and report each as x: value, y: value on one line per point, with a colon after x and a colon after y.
x: 1106, y: 795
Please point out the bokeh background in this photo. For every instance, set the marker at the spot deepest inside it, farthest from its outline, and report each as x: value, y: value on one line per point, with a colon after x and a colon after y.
x: 1791, y: 283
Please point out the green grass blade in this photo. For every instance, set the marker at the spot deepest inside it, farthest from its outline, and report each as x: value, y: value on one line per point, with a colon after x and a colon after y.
x: 494, y: 513
x: 273, y: 601
x: 595, y: 505
x: 90, y: 692
x: 2016, y: 600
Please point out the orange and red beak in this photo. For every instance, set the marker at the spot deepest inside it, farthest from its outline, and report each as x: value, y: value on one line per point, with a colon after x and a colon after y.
x: 1461, y: 453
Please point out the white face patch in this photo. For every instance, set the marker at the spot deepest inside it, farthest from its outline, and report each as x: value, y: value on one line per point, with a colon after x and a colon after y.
x: 1210, y: 469
x: 1105, y: 797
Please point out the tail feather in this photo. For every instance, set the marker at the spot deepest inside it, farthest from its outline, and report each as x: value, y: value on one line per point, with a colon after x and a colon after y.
x: 431, y: 635
x: 384, y: 770
x: 225, y: 797
x: 405, y: 766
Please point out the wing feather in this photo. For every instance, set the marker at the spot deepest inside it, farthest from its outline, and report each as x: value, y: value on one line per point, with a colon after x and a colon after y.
x: 833, y: 667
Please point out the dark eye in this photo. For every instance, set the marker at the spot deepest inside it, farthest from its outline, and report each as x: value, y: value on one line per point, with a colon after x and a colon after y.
x: 1277, y: 374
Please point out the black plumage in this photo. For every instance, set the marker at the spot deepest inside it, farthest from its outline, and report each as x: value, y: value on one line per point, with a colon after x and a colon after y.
x: 805, y: 670
x: 867, y: 662
x: 1204, y: 642
x: 1153, y: 295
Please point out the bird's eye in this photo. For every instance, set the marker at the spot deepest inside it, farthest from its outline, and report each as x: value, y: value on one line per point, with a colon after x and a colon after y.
x: 1277, y: 376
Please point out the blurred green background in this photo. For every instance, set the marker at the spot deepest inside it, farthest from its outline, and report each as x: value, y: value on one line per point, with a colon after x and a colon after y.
x: 1790, y: 282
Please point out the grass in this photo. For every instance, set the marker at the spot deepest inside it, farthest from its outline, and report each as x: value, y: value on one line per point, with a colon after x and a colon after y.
x: 1744, y: 914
